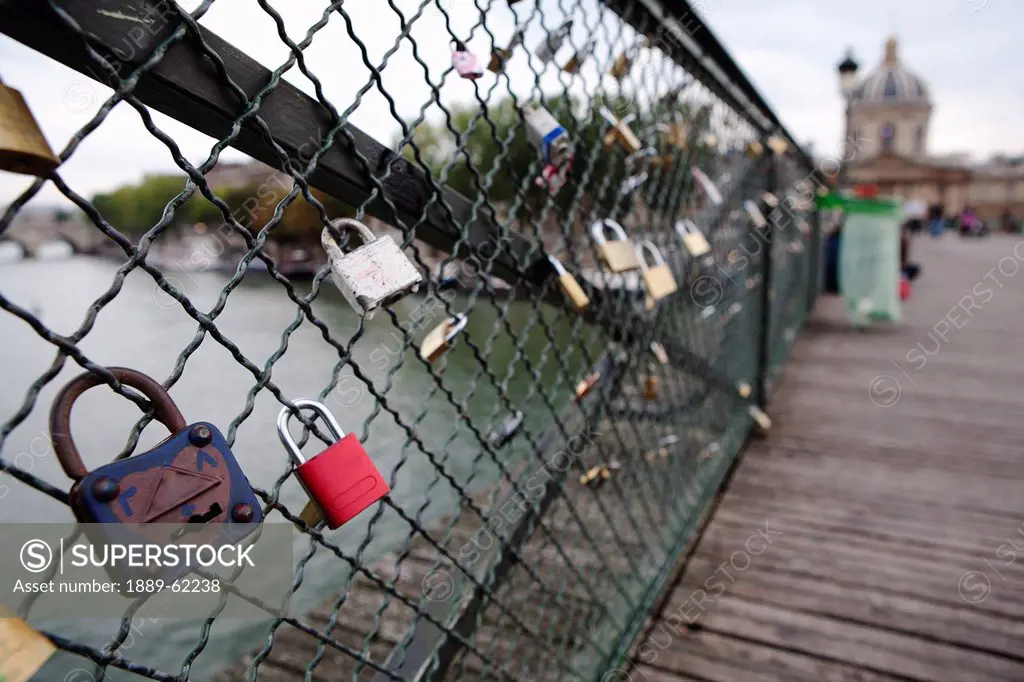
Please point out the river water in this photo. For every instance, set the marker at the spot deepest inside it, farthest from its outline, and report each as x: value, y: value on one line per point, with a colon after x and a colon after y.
x: 143, y: 329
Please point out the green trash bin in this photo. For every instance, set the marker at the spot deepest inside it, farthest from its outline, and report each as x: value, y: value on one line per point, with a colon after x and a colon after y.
x: 869, y: 258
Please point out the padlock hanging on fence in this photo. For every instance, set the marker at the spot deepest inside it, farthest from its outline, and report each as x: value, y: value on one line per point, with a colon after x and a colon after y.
x: 189, y: 483
x: 675, y: 132
x: 581, y: 55
x: 620, y: 132
x: 693, y: 239
x: 574, y: 293
x: 342, y: 481
x: 547, y: 134
x: 753, y: 149
x: 619, y: 254
x: 499, y: 57
x: 465, y: 62
x: 659, y: 352
x: 440, y: 338
x: 622, y: 64
x: 23, y: 147
x: 658, y: 279
x: 546, y: 51
x: 777, y: 144
x: 599, y: 475
x: 635, y: 166
x: 373, y: 275
x: 586, y: 385
x: 707, y: 186
x: 553, y: 178
x: 501, y: 436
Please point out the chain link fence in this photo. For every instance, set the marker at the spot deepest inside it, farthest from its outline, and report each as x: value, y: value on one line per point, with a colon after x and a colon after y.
x: 549, y: 470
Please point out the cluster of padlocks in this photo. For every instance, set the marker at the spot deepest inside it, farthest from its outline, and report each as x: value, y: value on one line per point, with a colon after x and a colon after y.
x: 192, y: 478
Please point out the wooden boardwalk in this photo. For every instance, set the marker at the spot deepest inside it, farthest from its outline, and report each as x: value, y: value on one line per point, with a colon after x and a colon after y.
x: 891, y: 492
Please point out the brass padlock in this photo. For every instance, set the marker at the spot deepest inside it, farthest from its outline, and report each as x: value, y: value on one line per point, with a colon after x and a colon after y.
x: 570, y: 287
x: 499, y: 56
x: 743, y: 388
x: 576, y: 61
x: 707, y: 186
x: 753, y: 149
x: 650, y: 387
x: 777, y: 144
x: 23, y: 148
x: 619, y: 254
x: 620, y: 68
x: 620, y: 132
x: 693, y: 239
x: 440, y: 338
x: 676, y: 132
x: 586, y: 385
x: 658, y: 278
x: 23, y: 649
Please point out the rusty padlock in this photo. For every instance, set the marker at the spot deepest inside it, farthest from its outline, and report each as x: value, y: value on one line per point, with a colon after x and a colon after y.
x: 23, y: 148
x: 500, y: 56
x: 658, y: 278
x: 620, y: 68
x: 576, y: 61
x: 341, y: 481
x: 651, y: 387
x: 619, y: 254
x: 191, y: 477
x: 440, y: 338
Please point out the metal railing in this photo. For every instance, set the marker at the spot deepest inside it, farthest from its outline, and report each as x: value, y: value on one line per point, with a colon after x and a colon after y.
x: 609, y: 484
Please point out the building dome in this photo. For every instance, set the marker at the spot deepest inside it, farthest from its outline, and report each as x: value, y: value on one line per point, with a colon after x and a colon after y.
x: 890, y: 83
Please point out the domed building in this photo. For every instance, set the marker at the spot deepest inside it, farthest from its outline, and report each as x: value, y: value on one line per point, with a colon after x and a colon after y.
x: 888, y: 114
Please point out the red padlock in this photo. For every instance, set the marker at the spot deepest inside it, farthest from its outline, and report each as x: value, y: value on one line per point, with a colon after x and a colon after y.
x: 342, y: 480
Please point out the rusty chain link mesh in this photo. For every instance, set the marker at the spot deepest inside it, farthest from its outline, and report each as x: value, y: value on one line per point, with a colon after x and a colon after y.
x: 527, y: 574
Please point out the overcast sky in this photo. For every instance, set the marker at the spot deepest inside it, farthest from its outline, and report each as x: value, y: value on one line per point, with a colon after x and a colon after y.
x: 967, y: 51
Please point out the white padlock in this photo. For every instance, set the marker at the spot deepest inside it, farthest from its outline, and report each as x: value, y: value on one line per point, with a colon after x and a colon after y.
x: 372, y: 275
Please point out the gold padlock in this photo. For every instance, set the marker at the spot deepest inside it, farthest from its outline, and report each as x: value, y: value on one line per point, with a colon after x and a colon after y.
x: 576, y: 61
x: 310, y: 515
x: 570, y: 287
x: 620, y: 132
x: 586, y: 385
x: 23, y: 148
x: 439, y: 339
x: 658, y: 278
x: 755, y: 214
x: 659, y: 352
x: 619, y: 254
x: 709, y: 140
x: 23, y: 649
x: 676, y: 132
x: 753, y: 149
x: 597, y: 476
x: 693, y: 239
x: 777, y: 144
x: 744, y: 389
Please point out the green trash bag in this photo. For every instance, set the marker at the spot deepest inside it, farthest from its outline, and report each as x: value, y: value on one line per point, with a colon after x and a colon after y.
x: 869, y: 261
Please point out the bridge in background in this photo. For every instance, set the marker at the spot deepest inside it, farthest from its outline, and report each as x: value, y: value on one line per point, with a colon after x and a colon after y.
x: 31, y: 230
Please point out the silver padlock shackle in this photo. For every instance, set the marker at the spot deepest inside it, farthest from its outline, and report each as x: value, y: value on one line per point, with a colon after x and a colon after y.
x: 685, y: 226
x: 647, y: 246
x: 557, y: 265
x: 285, y: 417
x: 330, y: 238
x: 597, y: 230
x: 455, y: 325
